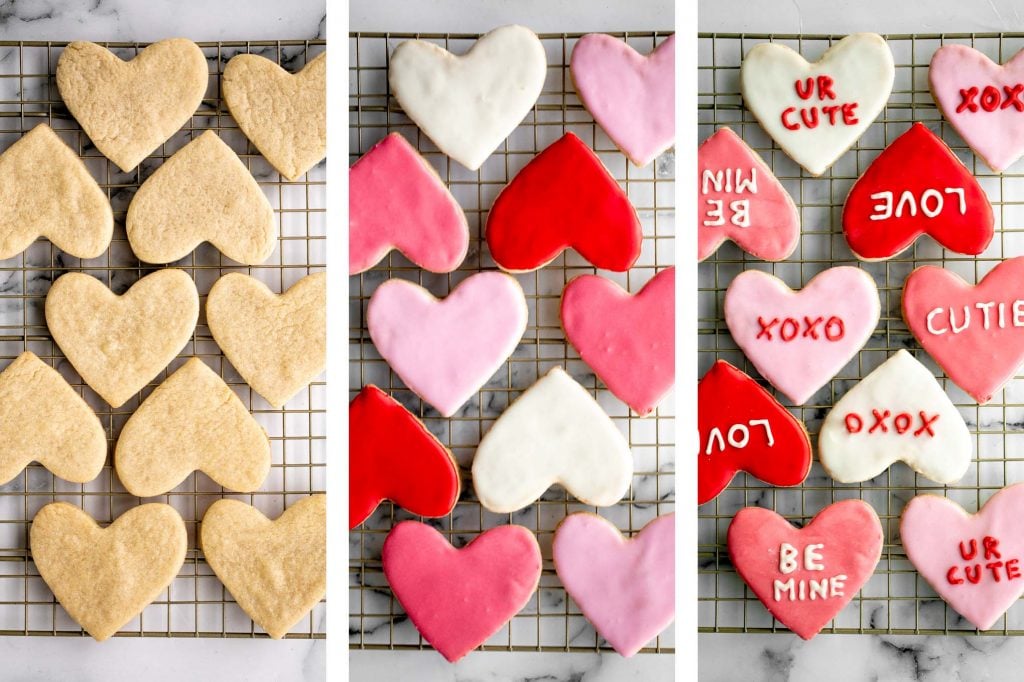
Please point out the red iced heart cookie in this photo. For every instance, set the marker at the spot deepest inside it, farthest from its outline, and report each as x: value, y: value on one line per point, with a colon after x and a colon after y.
x: 392, y: 456
x: 563, y: 198
x: 743, y: 428
x: 916, y: 186
x: 629, y: 341
x: 975, y: 333
x: 805, y: 576
x: 457, y: 598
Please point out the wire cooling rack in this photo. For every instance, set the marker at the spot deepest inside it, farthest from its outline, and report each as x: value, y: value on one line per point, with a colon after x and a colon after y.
x: 551, y: 621
x: 195, y: 604
x: 896, y: 600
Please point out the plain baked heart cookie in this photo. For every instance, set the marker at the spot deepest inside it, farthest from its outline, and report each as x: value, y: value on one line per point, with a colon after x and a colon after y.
x: 128, y: 109
x: 104, y: 577
x: 118, y: 344
x: 467, y: 105
x: 277, y: 342
x: 204, y: 193
x: 192, y: 421
x: 275, y: 570
x: 283, y: 114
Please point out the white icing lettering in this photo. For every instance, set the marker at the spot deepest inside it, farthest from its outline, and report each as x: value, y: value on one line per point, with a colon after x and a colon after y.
x: 788, y: 586
x: 984, y: 308
x: 748, y: 185
x: 936, y: 207
x: 715, y: 214
x: 711, y: 177
x: 741, y: 440
x: 787, y: 558
x: 715, y: 433
x: 1018, y: 313
x: 767, y: 429
x: 952, y: 320
x: 836, y: 584
x: 931, y: 203
x: 959, y: 192
x: 932, y: 314
x: 740, y: 212
x: 812, y: 558
x: 882, y: 211
x: 819, y: 589
x: 906, y: 199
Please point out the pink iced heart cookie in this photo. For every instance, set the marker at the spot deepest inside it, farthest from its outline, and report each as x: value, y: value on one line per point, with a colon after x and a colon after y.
x: 800, y: 340
x: 629, y: 341
x: 397, y: 201
x: 625, y: 588
x: 458, y: 598
x: 446, y: 350
x: 973, y: 561
x: 632, y: 97
x: 805, y: 576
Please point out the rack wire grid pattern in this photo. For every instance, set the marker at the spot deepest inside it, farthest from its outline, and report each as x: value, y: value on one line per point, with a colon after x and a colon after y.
x: 550, y: 621
x: 195, y: 604
x: 896, y: 600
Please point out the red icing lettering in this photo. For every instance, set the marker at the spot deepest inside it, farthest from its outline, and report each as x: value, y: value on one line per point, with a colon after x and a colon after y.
x: 785, y: 119
x: 990, y: 98
x: 997, y: 568
x: 809, y: 117
x: 926, y: 424
x: 1012, y: 569
x: 834, y: 329
x: 811, y: 327
x: 973, y: 579
x: 880, y: 418
x: 825, y: 90
x: 850, y: 114
x: 969, y: 554
x: 994, y: 567
x: 967, y: 103
x: 1013, y: 97
x: 951, y: 576
x: 789, y: 330
x: 990, y: 545
x: 902, y: 422
x: 766, y: 328
x: 854, y: 424
x: 831, y: 112
x: 805, y: 88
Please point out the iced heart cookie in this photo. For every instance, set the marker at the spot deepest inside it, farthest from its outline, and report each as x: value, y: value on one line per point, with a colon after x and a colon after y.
x: 104, y: 577
x: 816, y: 111
x: 625, y: 588
x: 396, y: 200
x: 742, y: 201
x: 275, y: 570
x: 563, y: 198
x: 554, y: 433
x: 392, y: 456
x: 897, y: 200
x: 283, y: 114
x: 192, y: 421
x: 128, y: 109
x: 898, y: 412
x: 800, y: 340
x: 741, y: 427
x: 277, y: 342
x: 467, y: 105
x: 118, y: 344
x: 46, y: 190
x: 458, y: 598
x: 631, y: 96
x: 204, y: 193
x: 805, y: 576
x: 628, y: 340
x: 447, y: 350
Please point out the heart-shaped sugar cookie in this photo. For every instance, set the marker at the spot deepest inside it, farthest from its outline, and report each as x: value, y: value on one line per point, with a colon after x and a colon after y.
x: 104, y: 577
x: 283, y: 114
x: 275, y: 570
x: 204, y: 193
x: 119, y: 343
x: 128, y: 109
x: 277, y: 342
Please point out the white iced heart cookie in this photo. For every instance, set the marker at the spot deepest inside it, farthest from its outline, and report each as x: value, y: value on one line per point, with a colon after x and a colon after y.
x: 897, y: 412
x: 815, y: 112
x: 555, y: 432
x: 468, y: 104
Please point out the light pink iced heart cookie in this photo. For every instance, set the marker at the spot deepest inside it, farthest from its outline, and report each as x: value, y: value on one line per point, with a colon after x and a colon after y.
x: 632, y: 97
x: 397, y: 201
x: 625, y: 588
x: 973, y: 561
x: 458, y: 598
x: 446, y: 350
x: 983, y: 100
x: 799, y: 340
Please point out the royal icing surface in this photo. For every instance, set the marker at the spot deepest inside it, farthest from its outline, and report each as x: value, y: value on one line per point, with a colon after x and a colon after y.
x: 397, y: 201
x: 805, y: 576
x: 739, y: 199
x: 815, y: 112
x: 392, y: 456
x: 446, y: 350
x: 624, y: 587
x: 467, y: 105
x: 458, y: 598
x: 983, y: 100
x: 975, y: 333
x: 916, y: 186
x: 897, y: 412
x: 741, y: 427
x: 631, y: 96
x: 555, y: 432
x: 629, y: 341
x: 973, y: 561
x: 799, y: 340
x: 563, y: 198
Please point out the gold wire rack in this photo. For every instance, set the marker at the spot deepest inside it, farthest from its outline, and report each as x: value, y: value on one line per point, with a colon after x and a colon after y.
x: 195, y: 604
x: 551, y: 621
x: 896, y: 600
